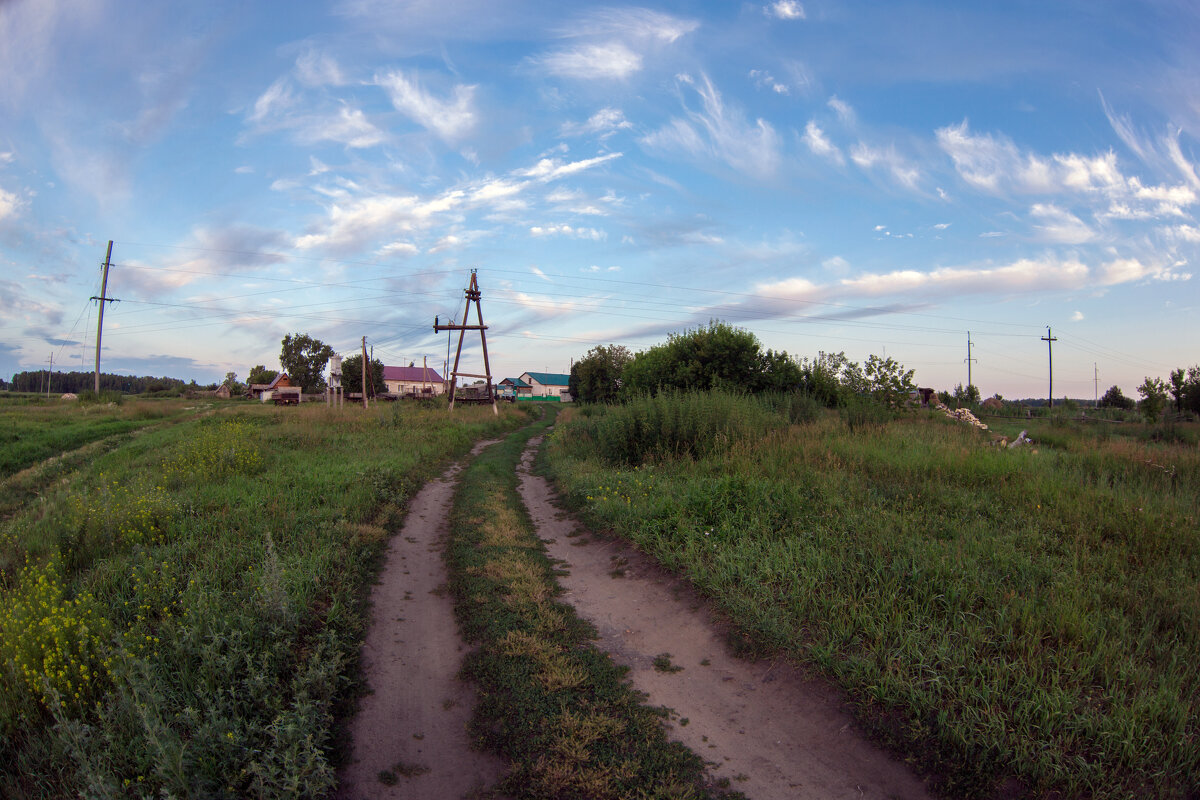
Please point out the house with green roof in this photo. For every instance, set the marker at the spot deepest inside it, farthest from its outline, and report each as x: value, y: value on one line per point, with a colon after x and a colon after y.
x: 513, y: 387
x: 548, y: 385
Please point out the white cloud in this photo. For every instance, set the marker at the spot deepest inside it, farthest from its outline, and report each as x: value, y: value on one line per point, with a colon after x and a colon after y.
x: 611, y: 61
x: 567, y: 230
x: 721, y: 133
x: 1020, y: 276
x: 540, y: 274
x: 245, y: 169
x: 349, y: 127
x: 278, y: 97
x: 996, y: 165
x: 318, y: 69
x: 1058, y: 225
x: 1184, y: 233
x: 549, y: 169
x: 633, y: 23
x: 941, y: 226
x: 844, y: 111
x: 450, y: 118
x: 1077, y: 316
x: 819, y: 143
x: 764, y: 79
x: 398, y: 248
x: 903, y: 172
x: 603, y: 123
x: 9, y: 203
x: 785, y: 9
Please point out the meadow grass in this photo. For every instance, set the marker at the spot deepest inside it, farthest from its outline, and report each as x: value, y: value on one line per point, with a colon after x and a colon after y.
x: 181, y: 614
x: 1028, y: 615
x: 33, y: 431
x: 551, y: 703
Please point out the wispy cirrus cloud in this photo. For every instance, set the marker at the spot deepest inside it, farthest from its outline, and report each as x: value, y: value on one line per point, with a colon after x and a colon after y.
x: 450, y: 117
x: 995, y: 164
x: 820, y: 145
x: 611, y: 60
x: 603, y: 124
x: 888, y: 158
x: 785, y: 10
x: 719, y: 132
x: 563, y: 229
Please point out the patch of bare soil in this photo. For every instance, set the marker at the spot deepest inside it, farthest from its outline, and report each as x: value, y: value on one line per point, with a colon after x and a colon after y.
x: 774, y: 733
x: 409, y: 735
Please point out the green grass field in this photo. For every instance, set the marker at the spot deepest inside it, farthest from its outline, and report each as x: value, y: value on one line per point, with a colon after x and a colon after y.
x: 181, y: 609
x: 1025, y: 617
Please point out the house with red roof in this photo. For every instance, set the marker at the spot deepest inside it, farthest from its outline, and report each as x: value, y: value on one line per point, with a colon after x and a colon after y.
x: 413, y: 380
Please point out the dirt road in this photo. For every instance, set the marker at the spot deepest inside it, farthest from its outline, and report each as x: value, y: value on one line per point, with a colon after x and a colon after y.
x: 409, y: 736
x: 773, y: 733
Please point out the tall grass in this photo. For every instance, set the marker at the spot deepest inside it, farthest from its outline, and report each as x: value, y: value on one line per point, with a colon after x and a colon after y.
x: 1028, y: 614
x: 670, y: 425
x: 182, y: 614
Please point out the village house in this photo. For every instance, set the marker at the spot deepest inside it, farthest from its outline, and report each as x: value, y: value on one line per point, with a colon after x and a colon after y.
x: 547, y: 385
x: 267, y: 391
x: 413, y: 380
x: 513, y: 387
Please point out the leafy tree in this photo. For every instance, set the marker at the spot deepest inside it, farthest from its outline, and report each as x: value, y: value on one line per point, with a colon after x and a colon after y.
x: 968, y: 395
x: 1154, y: 397
x: 718, y: 356
x: 232, y: 382
x: 304, y: 358
x: 352, y: 375
x: 597, y: 377
x: 1113, y: 398
x: 888, y: 381
x: 260, y: 374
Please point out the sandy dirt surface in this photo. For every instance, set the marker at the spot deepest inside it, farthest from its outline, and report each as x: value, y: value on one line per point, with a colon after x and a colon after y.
x: 773, y: 732
x: 409, y: 735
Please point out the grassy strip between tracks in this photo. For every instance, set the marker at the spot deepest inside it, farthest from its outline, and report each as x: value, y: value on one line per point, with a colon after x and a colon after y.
x: 551, y: 703
x: 181, y: 615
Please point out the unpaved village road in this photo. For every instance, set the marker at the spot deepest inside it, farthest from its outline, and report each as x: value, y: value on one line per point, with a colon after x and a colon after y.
x: 773, y: 733
x: 411, y: 729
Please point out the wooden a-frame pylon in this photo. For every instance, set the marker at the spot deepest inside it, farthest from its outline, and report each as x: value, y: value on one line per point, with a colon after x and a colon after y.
x: 473, y: 294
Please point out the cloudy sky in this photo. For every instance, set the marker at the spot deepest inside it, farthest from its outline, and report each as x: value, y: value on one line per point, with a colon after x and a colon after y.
x: 834, y: 176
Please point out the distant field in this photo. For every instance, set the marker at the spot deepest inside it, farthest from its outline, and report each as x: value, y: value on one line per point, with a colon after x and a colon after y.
x: 31, y: 432
x: 1027, y: 616
x: 180, y: 612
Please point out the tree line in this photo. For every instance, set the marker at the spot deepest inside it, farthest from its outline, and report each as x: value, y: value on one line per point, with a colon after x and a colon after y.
x: 76, y: 382
x: 720, y: 356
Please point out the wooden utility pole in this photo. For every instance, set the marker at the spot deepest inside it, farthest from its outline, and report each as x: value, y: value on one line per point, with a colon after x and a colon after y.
x: 1049, y: 339
x: 49, y: 375
x: 472, y: 294
x: 364, y: 371
x: 968, y: 359
x: 100, y: 321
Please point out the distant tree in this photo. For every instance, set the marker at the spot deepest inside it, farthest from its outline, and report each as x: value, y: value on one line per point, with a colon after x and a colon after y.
x: 887, y: 380
x: 1154, y: 397
x: 968, y: 395
x: 304, y: 358
x: 260, y: 374
x: 352, y: 375
x: 232, y: 382
x: 820, y: 377
x: 1113, y: 398
x: 597, y: 377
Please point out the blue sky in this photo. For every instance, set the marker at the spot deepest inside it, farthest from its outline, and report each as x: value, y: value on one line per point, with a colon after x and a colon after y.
x: 859, y: 177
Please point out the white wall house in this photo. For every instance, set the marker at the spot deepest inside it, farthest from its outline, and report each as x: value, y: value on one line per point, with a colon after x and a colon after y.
x: 548, y: 384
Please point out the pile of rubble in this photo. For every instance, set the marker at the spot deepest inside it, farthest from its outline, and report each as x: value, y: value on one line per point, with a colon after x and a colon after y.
x: 963, y: 415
